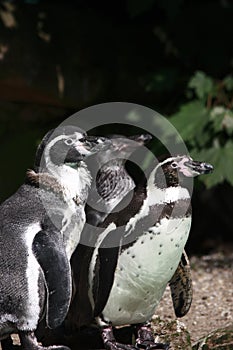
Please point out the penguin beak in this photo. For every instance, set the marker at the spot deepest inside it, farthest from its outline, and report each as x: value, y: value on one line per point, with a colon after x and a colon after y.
x: 142, y: 139
x: 199, y: 168
x: 89, y: 145
x: 131, y: 143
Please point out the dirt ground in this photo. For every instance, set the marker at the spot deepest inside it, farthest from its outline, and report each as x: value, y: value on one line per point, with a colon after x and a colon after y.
x: 212, y: 305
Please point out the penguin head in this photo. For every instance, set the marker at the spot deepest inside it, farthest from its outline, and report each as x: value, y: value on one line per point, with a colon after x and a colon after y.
x: 174, y: 169
x: 122, y: 147
x: 67, y: 145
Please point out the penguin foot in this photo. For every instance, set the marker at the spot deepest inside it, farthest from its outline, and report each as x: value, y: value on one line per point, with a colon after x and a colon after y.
x: 145, y: 339
x: 29, y: 342
x: 7, y: 344
x: 110, y: 342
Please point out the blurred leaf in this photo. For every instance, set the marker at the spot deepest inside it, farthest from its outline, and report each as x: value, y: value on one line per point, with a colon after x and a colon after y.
x: 222, y: 119
x: 202, y: 84
x: 227, y: 122
x: 190, y: 120
x: 216, y: 117
x: 221, y: 159
x: 228, y: 82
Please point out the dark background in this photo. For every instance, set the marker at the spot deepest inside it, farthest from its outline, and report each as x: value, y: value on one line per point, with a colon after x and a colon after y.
x: 57, y: 57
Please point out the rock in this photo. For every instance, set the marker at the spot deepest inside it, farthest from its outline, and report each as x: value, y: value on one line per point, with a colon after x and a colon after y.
x: 220, y: 339
x: 173, y: 332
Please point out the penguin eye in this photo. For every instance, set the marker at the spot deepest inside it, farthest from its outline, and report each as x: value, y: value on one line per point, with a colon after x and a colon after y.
x: 174, y: 165
x: 69, y: 142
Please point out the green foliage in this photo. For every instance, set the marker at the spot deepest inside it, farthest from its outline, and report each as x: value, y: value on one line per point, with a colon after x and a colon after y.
x: 206, y: 125
x: 202, y: 85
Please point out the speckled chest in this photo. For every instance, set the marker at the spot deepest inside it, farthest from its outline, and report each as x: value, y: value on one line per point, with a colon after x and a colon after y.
x: 144, y: 269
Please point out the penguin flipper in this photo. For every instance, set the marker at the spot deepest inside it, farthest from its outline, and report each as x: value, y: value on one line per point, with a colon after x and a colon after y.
x: 107, y: 260
x: 106, y: 263
x: 181, y: 287
x: 50, y: 253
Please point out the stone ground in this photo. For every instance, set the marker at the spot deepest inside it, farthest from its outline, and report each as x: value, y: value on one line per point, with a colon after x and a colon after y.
x: 212, y: 306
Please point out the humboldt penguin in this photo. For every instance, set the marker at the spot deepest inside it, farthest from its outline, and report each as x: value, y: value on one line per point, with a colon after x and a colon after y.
x: 113, y: 183
x: 138, y: 251
x: 40, y: 226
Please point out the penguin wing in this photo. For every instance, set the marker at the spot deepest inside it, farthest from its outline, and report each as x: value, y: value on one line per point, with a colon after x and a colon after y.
x: 93, y: 216
x: 106, y: 263
x: 50, y: 253
x: 181, y: 287
x: 80, y: 311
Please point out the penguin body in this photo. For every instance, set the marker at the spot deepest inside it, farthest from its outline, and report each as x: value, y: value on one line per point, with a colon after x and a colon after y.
x: 138, y: 250
x: 113, y: 184
x: 145, y: 262
x: 133, y: 290
x: 22, y: 287
x: 37, y: 226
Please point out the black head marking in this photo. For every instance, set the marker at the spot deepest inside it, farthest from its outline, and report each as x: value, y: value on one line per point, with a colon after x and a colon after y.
x: 122, y: 147
x: 173, y: 169
x: 68, y: 145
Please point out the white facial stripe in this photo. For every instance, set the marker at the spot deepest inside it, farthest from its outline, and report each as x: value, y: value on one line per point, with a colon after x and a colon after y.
x: 81, y: 148
x: 78, y: 145
x: 181, y: 164
x: 62, y: 137
x: 50, y: 145
x: 185, y: 169
x: 72, y: 180
x: 79, y: 135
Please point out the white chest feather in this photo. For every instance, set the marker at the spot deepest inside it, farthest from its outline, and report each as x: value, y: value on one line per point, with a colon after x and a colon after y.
x: 73, y: 223
x: 143, y: 271
x: 74, y: 181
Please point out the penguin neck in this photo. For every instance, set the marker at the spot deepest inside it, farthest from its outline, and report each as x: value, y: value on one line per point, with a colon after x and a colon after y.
x: 75, y: 181
x: 115, y: 178
x: 165, y: 189
x: 71, y: 182
x: 113, y: 164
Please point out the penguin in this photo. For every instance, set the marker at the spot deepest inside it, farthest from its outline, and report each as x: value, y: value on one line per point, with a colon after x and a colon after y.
x: 113, y: 183
x: 137, y: 253
x: 40, y: 226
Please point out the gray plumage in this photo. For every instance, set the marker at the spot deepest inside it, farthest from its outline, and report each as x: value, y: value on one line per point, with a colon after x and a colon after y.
x: 37, y: 226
